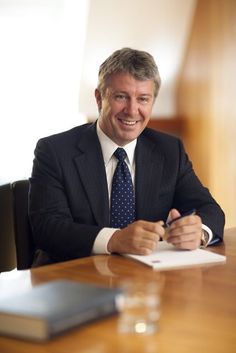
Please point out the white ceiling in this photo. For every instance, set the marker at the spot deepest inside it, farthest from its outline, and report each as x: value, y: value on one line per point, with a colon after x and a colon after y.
x: 158, y: 26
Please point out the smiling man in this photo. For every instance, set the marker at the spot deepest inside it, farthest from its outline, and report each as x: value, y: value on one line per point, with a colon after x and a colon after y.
x: 110, y: 186
x: 125, y: 107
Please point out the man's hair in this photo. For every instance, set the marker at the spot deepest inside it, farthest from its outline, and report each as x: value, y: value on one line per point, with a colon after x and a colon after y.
x: 140, y: 64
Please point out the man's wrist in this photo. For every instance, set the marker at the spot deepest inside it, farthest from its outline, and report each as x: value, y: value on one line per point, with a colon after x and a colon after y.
x: 100, y: 245
x: 204, y: 239
x: 208, y: 235
x: 111, y: 242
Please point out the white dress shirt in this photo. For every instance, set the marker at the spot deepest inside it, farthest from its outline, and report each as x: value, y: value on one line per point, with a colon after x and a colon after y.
x: 110, y: 162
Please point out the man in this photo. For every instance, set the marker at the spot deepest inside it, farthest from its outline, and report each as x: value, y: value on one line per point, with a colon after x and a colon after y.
x: 85, y: 199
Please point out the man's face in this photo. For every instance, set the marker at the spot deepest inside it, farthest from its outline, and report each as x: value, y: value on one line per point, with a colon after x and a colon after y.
x: 126, y: 107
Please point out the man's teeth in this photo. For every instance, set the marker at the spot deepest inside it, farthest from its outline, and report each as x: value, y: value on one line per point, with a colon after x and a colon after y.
x: 127, y: 122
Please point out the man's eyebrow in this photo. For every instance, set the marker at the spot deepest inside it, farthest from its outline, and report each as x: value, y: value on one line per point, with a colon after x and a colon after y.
x: 123, y: 92
x: 145, y: 95
x: 127, y: 94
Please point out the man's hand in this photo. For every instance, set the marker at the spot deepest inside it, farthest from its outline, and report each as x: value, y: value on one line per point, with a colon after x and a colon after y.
x: 186, y: 232
x: 138, y: 238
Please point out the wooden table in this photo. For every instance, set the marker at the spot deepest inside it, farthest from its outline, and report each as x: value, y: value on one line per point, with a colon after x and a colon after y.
x: 198, y: 306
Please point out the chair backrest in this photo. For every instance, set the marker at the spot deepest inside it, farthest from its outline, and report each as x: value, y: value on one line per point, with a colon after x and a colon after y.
x: 7, y: 234
x: 23, y: 235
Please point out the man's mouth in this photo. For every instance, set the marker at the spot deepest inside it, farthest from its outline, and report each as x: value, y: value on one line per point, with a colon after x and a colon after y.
x: 128, y: 122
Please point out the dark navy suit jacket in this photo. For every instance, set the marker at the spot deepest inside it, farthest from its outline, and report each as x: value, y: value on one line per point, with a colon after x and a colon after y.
x: 68, y: 199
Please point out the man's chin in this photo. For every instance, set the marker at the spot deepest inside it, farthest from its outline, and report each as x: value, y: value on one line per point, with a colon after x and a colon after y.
x: 126, y: 138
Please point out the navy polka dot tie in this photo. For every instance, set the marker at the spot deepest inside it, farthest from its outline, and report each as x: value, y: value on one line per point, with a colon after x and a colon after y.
x: 122, y: 194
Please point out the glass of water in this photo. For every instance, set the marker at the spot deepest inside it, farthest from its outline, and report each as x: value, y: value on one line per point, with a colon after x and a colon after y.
x: 140, y: 307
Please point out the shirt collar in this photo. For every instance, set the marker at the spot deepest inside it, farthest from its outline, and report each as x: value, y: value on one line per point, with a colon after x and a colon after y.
x: 108, y: 147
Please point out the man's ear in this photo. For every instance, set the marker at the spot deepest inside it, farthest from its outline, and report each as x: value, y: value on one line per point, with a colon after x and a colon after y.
x: 98, y: 97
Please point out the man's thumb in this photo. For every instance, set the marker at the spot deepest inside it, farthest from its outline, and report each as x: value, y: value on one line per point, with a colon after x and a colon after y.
x: 173, y: 214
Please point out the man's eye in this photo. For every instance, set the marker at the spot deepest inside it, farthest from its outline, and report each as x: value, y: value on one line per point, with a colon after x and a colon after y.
x: 120, y: 97
x: 143, y: 100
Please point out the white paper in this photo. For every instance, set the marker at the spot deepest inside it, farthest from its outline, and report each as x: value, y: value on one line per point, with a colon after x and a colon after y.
x: 168, y: 257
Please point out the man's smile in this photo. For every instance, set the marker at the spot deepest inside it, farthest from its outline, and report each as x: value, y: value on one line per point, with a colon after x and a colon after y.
x: 128, y: 122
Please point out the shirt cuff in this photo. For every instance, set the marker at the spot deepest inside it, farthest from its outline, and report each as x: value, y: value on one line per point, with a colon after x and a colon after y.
x: 101, y: 241
x: 209, y: 232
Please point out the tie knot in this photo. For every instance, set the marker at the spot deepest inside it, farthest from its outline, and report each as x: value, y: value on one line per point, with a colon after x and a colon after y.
x: 120, y: 154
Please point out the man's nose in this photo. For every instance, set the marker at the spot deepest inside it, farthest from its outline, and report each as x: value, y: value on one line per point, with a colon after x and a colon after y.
x: 132, y: 107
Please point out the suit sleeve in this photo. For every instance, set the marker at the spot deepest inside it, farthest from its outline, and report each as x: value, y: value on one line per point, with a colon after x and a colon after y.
x: 54, y: 229
x: 190, y: 193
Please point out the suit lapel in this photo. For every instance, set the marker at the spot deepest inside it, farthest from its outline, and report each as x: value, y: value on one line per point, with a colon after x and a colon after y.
x: 90, y: 165
x: 149, y: 168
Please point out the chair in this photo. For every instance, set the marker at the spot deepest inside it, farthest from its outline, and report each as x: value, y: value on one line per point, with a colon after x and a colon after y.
x: 23, y: 235
x: 7, y: 236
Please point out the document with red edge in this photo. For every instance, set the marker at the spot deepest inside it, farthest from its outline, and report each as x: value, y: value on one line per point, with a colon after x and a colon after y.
x: 167, y: 257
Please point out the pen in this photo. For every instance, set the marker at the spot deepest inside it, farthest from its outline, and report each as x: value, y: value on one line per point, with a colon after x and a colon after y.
x: 188, y: 213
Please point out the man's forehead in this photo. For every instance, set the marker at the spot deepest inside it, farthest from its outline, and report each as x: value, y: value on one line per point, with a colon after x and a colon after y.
x: 125, y: 82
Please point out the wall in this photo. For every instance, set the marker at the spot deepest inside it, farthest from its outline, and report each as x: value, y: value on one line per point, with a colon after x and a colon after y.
x: 206, y: 100
x: 41, y: 45
x: 158, y: 26
x: 42, y: 52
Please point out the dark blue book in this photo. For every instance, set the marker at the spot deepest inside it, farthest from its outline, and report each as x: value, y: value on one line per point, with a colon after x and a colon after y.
x: 55, y: 307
